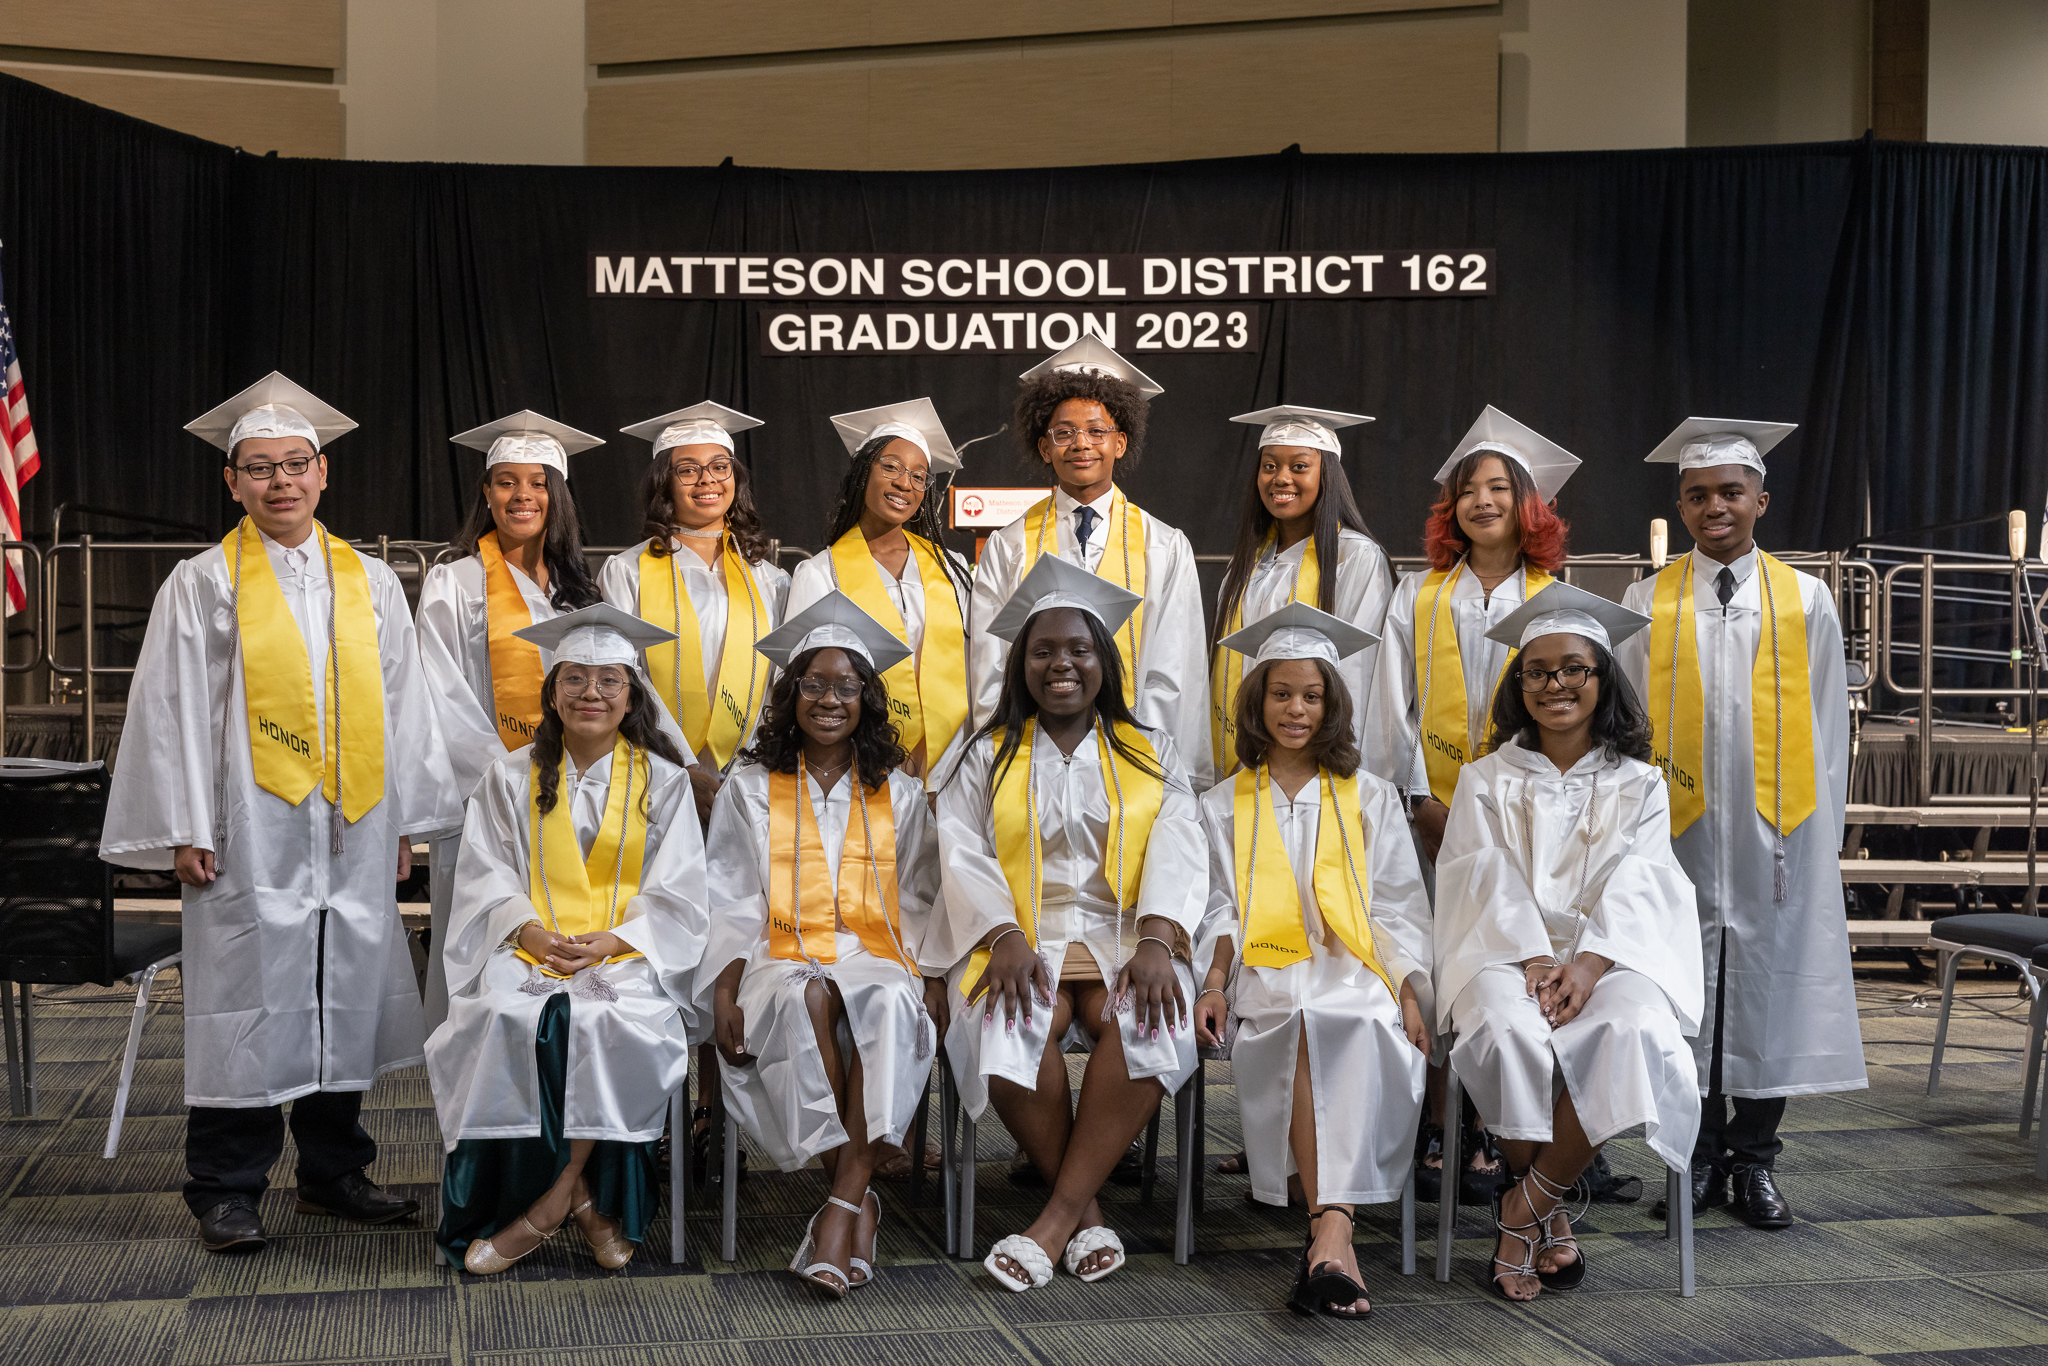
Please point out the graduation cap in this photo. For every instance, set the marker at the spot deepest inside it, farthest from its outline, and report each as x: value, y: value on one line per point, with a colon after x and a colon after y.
x: 700, y: 424
x: 838, y: 621
x: 1297, y: 426
x: 528, y: 438
x: 1054, y: 582
x: 1299, y: 631
x: 1703, y: 442
x: 1548, y: 463
x: 595, y: 635
x: 915, y: 420
x: 1091, y: 355
x: 1561, y: 607
x: 273, y: 406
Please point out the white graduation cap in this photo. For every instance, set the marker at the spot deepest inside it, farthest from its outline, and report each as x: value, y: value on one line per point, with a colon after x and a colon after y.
x: 1297, y: 426
x: 1548, y: 463
x: 1703, y: 442
x: 1299, y: 631
x: 1054, y: 582
x: 1093, y: 355
x: 915, y: 420
x: 700, y: 424
x: 835, y: 620
x: 1561, y: 607
x: 528, y: 438
x: 272, y: 406
x: 602, y: 634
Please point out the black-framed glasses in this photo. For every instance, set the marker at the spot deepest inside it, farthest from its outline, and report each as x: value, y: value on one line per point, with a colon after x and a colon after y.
x: 608, y: 686
x: 718, y: 471
x: 818, y: 689
x: 889, y: 467
x: 1571, y: 677
x: 263, y: 470
x: 1066, y: 435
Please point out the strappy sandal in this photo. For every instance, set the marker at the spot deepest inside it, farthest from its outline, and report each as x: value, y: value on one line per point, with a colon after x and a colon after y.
x: 1571, y: 1275
x: 865, y: 1265
x: 483, y: 1259
x: 1026, y: 1255
x: 700, y: 1145
x: 816, y: 1273
x: 1086, y: 1244
x: 1530, y: 1247
x: 1325, y: 1287
x: 611, y: 1250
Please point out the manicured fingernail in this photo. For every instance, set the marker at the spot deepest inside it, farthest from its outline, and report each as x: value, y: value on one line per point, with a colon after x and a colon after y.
x: 1010, y: 1027
x: 1155, y: 1033
x: 1027, y: 1022
x: 989, y: 1018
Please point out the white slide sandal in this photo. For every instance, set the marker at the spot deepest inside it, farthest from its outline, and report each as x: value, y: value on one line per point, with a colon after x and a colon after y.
x: 1026, y: 1254
x: 1086, y: 1244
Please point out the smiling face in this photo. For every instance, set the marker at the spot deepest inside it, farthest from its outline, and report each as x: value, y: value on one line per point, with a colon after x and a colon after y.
x: 703, y: 503
x: 828, y: 719
x: 1719, y: 506
x: 1294, y: 702
x: 281, y: 505
x: 518, y: 495
x: 1082, y: 463
x: 1290, y: 480
x: 1062, y: 671
x: 1486, y: 505
x: 1555, y: 707
x: 589, y: 717
x: 895, y: 491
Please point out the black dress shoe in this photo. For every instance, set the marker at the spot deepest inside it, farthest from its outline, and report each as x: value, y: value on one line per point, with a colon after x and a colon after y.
x: 1709, y: 1191
x: 354, y: 1196
x: 232, y: 1226
x: 1757, y: 1201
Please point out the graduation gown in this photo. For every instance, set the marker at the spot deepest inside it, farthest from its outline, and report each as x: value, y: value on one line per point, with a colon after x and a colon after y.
x: 297, y: 976
x: 784, y: 1099
x: 625, y: 1055
x: 1789, y: 1026
x: 1173, y: 658
x: 1368, y: 1078
x: 1624, y: 1057
x: 1077, y: 904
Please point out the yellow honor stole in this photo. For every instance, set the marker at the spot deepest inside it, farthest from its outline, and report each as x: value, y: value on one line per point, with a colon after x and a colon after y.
x: 1226, y: 670
x: 1271, y: 924
x: 1122, y: 562
x: 1781, y: 702
x: 1446, y: 730
x: 577, y: 895
x: 928, y: 691
x: 286, y: 750
x: 516, y: 674
x: 677, y: 669
x: 804, y: 909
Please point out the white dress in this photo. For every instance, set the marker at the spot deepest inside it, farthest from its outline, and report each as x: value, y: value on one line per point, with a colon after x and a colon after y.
x: 1624, y: 1057
x: 1173, y: 656
x: 1789, y: 1027
x: 784, y: 1098
x: 1077, y: 905
x: 625, y: 1054
x: 297, y: 976
x: 1368, y: 1078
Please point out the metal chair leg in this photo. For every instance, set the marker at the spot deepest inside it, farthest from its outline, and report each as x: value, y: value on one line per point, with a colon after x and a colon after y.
x: 729, y: 1248
x: 144, y: 981
x: 949, y: 1154
x: 1454, y: 1167
x: 918, y: 1122
x: 1408, y: 1224
x: 678, y: 1168
x: 21, y: 1048
x: 964, y: 1240
x: 2037, y: 1024
x: 1187, y: 1156
x: 1678, y: 1205
x: 1949, y: 963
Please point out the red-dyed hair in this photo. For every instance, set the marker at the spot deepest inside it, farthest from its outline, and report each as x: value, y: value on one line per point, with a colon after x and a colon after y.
x: 1543, y: 533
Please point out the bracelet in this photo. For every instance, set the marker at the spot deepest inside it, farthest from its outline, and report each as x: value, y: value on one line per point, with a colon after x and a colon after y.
x: 1206, y: 990
x: 1014, y: 929
x: 1541, y: 963
x: 1155, y: 939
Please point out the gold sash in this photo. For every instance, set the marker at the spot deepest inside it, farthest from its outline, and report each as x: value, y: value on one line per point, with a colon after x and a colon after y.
x: 577, y: 895
x: 928, y: 691
x: 516, y: 674
x: 804, y: 911
x: 1226, y: 670
x: 1272, y: 925
x: 677, y: 669
x: 1122, y: 562
x: 1445, y: 714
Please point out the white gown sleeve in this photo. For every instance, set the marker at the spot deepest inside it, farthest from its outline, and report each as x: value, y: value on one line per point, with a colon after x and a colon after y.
x: 1175, y: 883
x: 994, y: 580
x: 735, y: 855
x: 619, y: 580
x: 1485, y: 910
x: 1220, y: 914
x: 974, y: 895
x: 416, y: 765
x: 491, y: 874
x: 669, y: 920
x: 809, y: 582
x: 1365, y: 584
x: 1390, y: 734
x: 1647, y: 916
x: 162, y: 789
x: 1403, y: 930
x: 1173, y: 660
x: 467, y: 729
x: 917, y: 860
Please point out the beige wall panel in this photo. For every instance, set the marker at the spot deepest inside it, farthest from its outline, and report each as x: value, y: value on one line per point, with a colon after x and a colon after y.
x: 810, y: 118
x: 274, y: 32
x: 949, y: 21
x: 291, y: 120
x: 1241, y: 11
x: 667, y: 30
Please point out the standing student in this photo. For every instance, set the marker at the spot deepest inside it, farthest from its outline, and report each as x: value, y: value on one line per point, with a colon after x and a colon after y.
x: 824, y: 870
x: 1082, y: 411
x: 282, y: 753
x: 1321, y: 948
x: 1742, y: 672
x: 520, y: 561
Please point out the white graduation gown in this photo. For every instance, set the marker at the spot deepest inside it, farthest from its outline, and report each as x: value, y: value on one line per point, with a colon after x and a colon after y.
x: 1789, y: 1026
x: 1077, y: 905
x: 1173, y: 657
x: 784, y: 1099
x: 297, y: 977
x: 1368, y: 1079
x: 625, y: 1055
x: 620, y: 582
x: 1624, y: 1057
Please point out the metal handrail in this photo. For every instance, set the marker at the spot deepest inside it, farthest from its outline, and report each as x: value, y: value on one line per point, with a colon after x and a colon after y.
x: 30, y: 554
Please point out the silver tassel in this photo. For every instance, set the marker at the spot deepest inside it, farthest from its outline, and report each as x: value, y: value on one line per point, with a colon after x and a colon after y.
x: 537, y: 985
x: 590, y: 985
x: 925, y: 1030
x: 812, y: 971
x: 1780, y: 880
x: 1116, y: 1004
x: 335, y: 827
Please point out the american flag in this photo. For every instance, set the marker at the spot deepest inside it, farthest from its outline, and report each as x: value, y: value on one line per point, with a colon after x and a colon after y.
x: 19, y: 459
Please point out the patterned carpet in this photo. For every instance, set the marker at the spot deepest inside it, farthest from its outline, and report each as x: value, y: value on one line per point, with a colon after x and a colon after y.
x: 1923, y: 1238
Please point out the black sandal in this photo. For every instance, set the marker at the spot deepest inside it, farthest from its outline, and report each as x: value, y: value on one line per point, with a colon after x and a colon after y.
x: 1573, y: 1274
x: 1530, y: 1247
x: 1323, y: 1289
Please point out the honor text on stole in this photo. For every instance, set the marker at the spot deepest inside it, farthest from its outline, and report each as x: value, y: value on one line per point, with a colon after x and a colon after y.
x: 291, y: 740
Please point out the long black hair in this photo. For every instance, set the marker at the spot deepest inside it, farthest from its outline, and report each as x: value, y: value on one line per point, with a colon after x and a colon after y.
x: 1017, y: 705
x: 1040, y: 398
x: 778, y: 741
x: 1332, y: 746
x: 742, y: 519
x: 1619, y: 721
x: 641, y: 727
x: 925, y: 525
x: 1335, y: 510
x: 569, y: 583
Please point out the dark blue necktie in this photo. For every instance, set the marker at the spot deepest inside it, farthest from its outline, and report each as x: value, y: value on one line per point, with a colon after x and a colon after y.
x: 1084, y: 522
x: 1724, y: 584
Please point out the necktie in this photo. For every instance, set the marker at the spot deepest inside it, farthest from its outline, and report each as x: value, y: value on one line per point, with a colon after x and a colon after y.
x: 1724, y: 584
x: 1084, y: 522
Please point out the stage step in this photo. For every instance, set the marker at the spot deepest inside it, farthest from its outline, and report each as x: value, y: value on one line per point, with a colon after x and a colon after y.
x: 1955, y: 873
x: 1888, y: 934
x: 151, y: 910
x: 2001, y: 816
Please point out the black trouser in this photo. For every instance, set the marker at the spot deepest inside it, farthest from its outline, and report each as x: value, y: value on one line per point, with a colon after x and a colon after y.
x: 1751, y: 1137
x: 231, y: 1151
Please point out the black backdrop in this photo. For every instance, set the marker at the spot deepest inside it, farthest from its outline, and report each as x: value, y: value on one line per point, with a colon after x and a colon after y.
x: 1893, y: 299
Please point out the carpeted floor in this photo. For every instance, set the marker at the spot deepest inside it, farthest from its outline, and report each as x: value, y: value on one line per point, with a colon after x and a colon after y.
x: 1923, y: 1238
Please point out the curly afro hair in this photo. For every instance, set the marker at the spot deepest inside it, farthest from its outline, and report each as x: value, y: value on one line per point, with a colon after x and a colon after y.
x: 1039, y: 399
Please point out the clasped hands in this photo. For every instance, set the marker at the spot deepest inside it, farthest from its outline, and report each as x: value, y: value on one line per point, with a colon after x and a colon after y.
x: 569, y: 954
x: 1562, y: 989
x: 1017, y: 976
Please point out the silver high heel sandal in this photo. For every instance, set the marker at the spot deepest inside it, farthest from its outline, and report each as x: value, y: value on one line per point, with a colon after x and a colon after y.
x: 824, y: 1275
x: 861, y: 1264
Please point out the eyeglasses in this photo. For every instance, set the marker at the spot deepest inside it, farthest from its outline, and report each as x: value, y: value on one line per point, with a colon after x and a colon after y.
x: 817, y: 689
x: 892, y: 468
x: 1571, y: 677
x: 718, y: 471
x: 575, y: 685
x: 262, y: 470
x: 1075, y: 436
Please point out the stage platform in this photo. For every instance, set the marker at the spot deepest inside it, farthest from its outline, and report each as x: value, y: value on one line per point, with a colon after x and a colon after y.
x: 1968, y: 761
x: 1923, y: 1239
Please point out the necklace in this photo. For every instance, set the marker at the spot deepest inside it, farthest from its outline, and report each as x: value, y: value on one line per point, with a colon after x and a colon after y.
x: 701, y: 533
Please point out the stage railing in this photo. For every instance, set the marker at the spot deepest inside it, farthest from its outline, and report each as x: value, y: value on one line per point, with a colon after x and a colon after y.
x: 31, y: 616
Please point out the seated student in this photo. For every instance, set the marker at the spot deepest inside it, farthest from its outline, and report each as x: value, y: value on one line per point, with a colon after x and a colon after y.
x: 820, y: 889
x: 578, y: 921
x: 1074, y: 872
x: 1314, y: 888
x: 1566, y: 936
